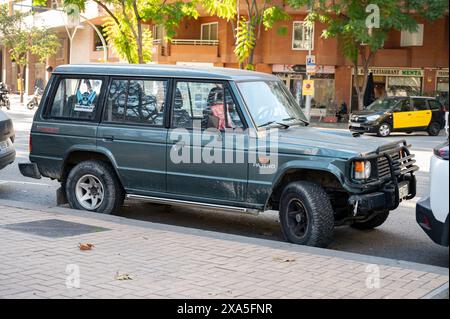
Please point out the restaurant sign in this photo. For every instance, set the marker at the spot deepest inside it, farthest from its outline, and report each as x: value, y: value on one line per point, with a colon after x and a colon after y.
x: 393, y: 72
x: 442, y: 73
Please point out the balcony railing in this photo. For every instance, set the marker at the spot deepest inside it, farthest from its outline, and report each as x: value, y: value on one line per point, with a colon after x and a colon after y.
x: 194, y: 42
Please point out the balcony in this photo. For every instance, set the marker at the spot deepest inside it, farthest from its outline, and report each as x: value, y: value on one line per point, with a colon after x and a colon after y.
x: 188, y: 50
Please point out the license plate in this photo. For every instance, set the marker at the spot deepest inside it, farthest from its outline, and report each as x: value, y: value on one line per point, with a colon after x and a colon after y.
x: 355, y: 124
x: 3, y: 145
x: 403, y: 191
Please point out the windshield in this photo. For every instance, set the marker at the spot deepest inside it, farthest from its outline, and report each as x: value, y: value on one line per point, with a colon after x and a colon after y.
x: 270, y: 102
x: 382, y: 105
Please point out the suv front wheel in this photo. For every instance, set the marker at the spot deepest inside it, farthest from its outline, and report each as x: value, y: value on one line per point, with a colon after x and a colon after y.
x: 93, y: 186
x: 306, y: 214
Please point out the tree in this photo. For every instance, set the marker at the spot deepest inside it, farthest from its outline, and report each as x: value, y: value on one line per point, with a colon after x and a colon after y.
x: 126, y: 19
x: 362, y: 26
x: 247, y: 28
x: 23, y: 40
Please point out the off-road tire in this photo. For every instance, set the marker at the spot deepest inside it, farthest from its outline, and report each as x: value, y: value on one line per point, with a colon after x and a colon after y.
x: 375, y: 221
x: 434, y: 129
x: 320, y: 216
x: 113, y: 190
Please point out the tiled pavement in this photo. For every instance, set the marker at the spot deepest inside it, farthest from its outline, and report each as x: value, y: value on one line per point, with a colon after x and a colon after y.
x: 175, y: 262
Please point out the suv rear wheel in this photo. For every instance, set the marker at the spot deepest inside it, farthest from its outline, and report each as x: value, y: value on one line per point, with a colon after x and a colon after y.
x: 306, y: 214
x: 377, y: 220
x: 93, y: 186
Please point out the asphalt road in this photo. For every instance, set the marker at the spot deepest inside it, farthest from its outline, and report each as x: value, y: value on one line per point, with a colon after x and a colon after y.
x: 399, y: 237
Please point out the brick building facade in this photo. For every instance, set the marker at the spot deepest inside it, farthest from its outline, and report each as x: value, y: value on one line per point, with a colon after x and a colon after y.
x: 407, y: 64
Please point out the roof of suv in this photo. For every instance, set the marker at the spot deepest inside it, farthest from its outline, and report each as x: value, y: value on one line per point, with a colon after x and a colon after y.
x: 159, y: 70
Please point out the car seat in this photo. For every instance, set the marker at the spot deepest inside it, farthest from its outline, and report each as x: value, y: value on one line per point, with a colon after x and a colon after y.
x: 181, y: 117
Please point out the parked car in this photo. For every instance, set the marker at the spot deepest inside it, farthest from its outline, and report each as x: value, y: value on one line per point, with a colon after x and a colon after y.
x: 109, y: 132
x: 432, y: 212
x: 7, y: 135
x: 400, y: 114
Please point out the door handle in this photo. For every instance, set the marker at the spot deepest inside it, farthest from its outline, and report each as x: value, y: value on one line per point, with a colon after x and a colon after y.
x: 108, y: 138
x: 409, y: 114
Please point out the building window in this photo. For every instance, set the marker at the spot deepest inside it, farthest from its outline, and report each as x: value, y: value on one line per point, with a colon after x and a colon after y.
x: 302, y: 36
x: 158, y: 32
x: 98, y: 45
x: 409, y: 39
x: 209, y: 31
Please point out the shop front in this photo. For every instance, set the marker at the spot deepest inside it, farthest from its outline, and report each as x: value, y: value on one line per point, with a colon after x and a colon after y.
x: 442, y: 86
x: 293, y: 76
x: 392, y: 82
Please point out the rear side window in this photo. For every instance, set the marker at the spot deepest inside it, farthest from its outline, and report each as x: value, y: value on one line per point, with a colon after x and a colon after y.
x: 136, y: 101
x: 420, y: 105
x: 76, y: 99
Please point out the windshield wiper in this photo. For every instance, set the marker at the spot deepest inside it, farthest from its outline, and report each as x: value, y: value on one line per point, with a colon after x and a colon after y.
x: 274, y: 122
x: 296, y: 122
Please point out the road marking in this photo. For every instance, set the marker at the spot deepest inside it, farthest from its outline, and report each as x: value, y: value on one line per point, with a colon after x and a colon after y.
x: 27, y: 183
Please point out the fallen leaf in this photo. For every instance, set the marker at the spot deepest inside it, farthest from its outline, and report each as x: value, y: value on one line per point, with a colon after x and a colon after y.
x: 123, y: 276
x: 284, y: 259
x: 85, y: 246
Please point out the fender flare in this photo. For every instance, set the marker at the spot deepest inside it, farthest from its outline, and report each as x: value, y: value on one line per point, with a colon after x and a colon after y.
x: 93, y: 149
x: 324, y: 166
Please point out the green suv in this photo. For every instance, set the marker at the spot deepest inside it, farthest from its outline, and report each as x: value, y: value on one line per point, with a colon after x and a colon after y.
x: 218, y: 138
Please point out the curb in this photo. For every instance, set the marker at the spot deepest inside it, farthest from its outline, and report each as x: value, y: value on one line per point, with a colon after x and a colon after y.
x: 238, y: 238
x: 438, y: 293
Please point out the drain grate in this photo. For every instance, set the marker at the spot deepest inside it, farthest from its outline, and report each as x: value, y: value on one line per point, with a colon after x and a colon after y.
x: 54, y: 228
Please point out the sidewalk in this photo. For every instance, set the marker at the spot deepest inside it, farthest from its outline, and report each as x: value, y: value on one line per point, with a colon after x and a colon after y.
x: 162, y: 261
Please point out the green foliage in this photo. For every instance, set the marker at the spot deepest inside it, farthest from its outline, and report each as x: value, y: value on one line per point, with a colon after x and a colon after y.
x: 274, y: 14
x: 225, y: 9
x: 346, y: 20
x: 21, y: 39
x: 169, y: 15
x: 245, y: 40
x: 282, y: 31
x: 125, y: 28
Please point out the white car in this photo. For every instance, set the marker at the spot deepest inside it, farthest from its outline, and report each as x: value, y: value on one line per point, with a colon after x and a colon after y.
x: 432, y: 212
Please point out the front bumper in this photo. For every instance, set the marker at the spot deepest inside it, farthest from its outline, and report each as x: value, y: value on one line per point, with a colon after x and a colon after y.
x: 29, y: 170
x: 435, y: 229
x: 363, y: 127
x: 388, y: 197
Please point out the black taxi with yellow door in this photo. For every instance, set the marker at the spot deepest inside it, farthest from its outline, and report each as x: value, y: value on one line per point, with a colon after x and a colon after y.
x: 400, y: 114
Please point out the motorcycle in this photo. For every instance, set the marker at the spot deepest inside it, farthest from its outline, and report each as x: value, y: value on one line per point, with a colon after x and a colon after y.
x: 34, y: 101
x: 4, y: 99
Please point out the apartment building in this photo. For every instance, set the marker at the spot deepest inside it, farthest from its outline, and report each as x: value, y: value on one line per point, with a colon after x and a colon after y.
x: 409, y: 63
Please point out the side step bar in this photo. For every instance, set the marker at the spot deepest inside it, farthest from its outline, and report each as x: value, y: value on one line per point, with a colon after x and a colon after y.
x: 185, y: 203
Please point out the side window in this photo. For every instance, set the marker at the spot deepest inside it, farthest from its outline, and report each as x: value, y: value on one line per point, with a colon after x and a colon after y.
x: 136, y: 101
x: 403, y: 106
x: 420, y: 105
x: 434, y: 105
x: 211, y: 104
x: 76, y: 99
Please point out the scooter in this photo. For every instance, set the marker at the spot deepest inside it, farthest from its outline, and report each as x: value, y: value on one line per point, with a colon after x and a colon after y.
x: 4, y: 99
x: 34, y: 101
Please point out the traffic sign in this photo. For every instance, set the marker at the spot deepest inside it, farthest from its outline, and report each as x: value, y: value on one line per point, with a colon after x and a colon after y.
x: 311, y: 64
x: 308, y: 87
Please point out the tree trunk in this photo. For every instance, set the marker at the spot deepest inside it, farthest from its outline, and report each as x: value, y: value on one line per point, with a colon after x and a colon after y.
x: 21, y: 81
x: 139, y: 33
x: 251, y: 57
